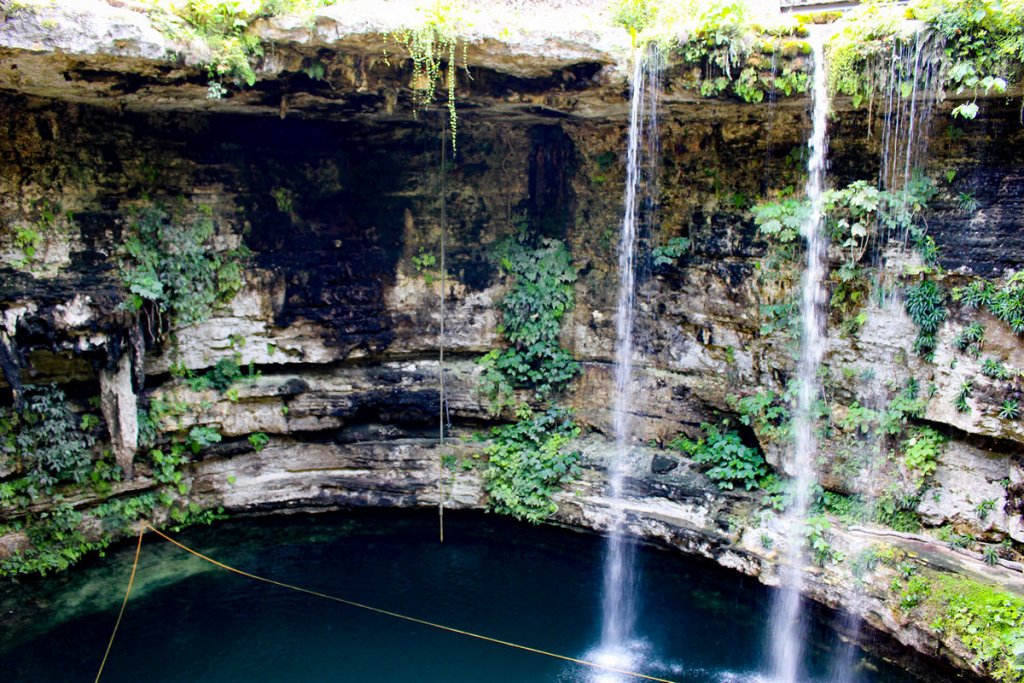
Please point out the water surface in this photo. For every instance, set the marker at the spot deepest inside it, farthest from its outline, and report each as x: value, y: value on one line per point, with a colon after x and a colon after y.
x: 538, y: 586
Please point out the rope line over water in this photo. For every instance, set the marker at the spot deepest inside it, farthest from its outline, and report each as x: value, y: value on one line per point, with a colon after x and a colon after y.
x: 350, y: 603
x: 124, y: 603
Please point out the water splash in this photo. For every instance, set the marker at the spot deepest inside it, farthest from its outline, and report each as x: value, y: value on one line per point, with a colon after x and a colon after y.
x: 619, y: 588
x: 788, y: 626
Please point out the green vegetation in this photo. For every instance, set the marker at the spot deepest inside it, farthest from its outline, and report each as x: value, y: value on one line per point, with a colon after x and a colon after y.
x: 983, y: 43
x: 766, y: 411
x: 44, y: 442
x: 857, y: 216
x: 170, y: 267
x: 1005, y: 302
x: 925, y: 304
x: 731, y: 50
x: 532, y: 310
x: 987, y: 621
x: 221, y: 377
x: 962, y: 394
x: 732, y: 462
x: 904, y: 453
x: 54, y: 457
x: 634, y: 15
x: 433, y: 46
x: 29, y: 237
x: 670, y: 252
x: 224, y: 29
x: 896, y: 506
x: 848, y: 509
x: 970, y: 339
x: 526, y: 459
x: 921, y: 453
x: 816, y: 532
x: 424, y: 263
x: 994, y: 368
x: 527, y: 463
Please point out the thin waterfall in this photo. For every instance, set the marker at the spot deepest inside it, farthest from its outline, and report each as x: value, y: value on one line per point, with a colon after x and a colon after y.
x: 788, y: 628
x: 912, y: 86
x: 619, y: 588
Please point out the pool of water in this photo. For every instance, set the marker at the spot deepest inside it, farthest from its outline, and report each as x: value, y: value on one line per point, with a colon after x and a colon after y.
x: 189, y: 621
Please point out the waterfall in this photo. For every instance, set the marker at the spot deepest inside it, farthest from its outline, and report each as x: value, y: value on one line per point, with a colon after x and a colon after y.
x: 910, y: 85
x: 619, y: 588
x: 787, y: 622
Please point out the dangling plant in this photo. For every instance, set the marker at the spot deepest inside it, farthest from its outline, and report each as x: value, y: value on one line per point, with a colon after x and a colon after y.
x: 433, y: 46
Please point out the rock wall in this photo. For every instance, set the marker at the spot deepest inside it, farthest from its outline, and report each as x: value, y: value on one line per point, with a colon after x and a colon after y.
x: 336, y: 190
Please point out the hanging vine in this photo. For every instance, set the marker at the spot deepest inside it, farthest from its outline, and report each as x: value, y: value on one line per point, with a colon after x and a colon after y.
x: 434, y: 46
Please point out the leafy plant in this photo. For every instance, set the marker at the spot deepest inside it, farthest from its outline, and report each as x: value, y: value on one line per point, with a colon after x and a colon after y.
x: 221, y: 376
x: 850, y: 509
x: 965, y: 201
x: 424, y: 262
x: 781, y: 221
x: 668, y: 253
x: 173, y: 267
x: 816, y: 532
x: 983, y: 44
x: 732, y: 462
x: 258, y: 441
x: 995, y: 369
x: 725, y: 45
x: 921, y: 452
x: 540, y: 295
x: 634, y: 16
x: 981, y: 40
x: 925, y: 304
x: 224, y: 27
x: 970, y: 339
x: 1007, y: 302
x: 962, y: 394
x: 975, y: 295
x: 44, y: 441
x: 200, y: 438
x: 766, y: 411
x: 989, y: 622
x: 527, y: 462
x: 1009, y: 409
x: 985, y: 508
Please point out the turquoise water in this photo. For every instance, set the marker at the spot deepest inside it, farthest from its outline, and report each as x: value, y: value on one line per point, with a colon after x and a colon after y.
x: 538, y: 586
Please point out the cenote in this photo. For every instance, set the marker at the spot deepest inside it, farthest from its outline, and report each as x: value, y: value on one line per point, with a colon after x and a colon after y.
x: 640, y: 332
x: 535, y: 586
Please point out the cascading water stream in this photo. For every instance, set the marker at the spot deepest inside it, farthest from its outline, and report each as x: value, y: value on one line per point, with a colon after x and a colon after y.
x: 788, y: 631
x: 911, y: 88
x: 619, y: 587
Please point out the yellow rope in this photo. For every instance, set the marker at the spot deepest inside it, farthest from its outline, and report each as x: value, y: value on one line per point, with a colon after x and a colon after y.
x: 124, y: 603
x: 385, y: 612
